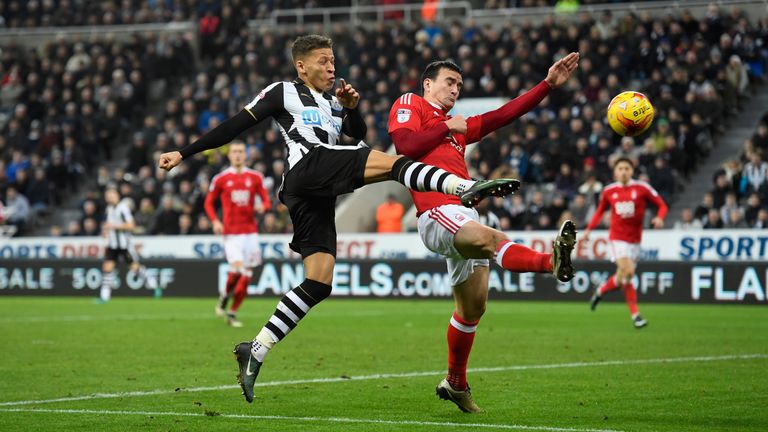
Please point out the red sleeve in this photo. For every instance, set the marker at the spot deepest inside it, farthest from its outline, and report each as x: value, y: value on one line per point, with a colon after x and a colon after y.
x: 263, y: 194
x: 405, y: 128
x: 656, y: 199
x: 416, y: 144
x: 482, y: 125
x: 213, y: 193
x: 598, y: 216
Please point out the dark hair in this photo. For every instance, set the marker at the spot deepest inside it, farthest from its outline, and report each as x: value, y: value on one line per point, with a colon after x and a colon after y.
x: 624, y: 159
x: 303, y: 45
x: 433, y: 69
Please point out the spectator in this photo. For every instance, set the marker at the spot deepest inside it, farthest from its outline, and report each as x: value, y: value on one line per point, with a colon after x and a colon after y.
x: 731, y: 205
x: 662, y: 179
x: 752, y: 209
x: 389, y: 216
x: 203, y: 225
x: 145, y: 217
x: 73, y: 229
x: 167, y: 219
x: 185, y: 224
x: 591, y: 189
x: 721, y: 189
x: 713, y: 220
x: 579, y: 210
x: 17, y: 210
x: 762, y: 219
x: 707, y: 204
x: 90, y: 227
x: 39, y: 192
x: 687, y: 221
x: 736, y: 219
x: 754, y: 176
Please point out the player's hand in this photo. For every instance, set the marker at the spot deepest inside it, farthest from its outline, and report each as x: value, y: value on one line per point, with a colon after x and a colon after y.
x: 457, y: 124
x: 560, y: 71
x: 218, y: 227
x: 169, y: 160
x: 657, y: 222
x: 584, y: 237
x: 347, y: 95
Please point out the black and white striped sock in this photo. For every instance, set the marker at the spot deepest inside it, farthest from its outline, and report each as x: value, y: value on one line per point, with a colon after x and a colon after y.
x: 427, y: 178
x: 290, y: 310
x: 108, y: 282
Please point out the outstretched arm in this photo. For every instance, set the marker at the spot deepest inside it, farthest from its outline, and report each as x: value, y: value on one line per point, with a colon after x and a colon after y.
x: 658, y: 221
x: 558, y: 74
x: 266, y: 104
x: 596, y: 218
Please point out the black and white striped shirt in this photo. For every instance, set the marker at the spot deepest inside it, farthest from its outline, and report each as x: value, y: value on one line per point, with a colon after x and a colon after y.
x: 117, y: 215
x: 306, y: 118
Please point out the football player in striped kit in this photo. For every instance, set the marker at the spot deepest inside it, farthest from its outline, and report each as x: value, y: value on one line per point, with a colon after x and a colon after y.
x: 320, y: 168
x: 118, y: 228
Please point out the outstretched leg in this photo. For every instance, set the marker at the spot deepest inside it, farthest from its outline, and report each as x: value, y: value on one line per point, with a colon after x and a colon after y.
x: 427, y: 178
x: 295, y: 304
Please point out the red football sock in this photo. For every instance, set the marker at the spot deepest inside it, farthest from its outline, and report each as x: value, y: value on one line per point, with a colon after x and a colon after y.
x: 630, y: 295
x: 609, y: 285
x: 232, y: 278
x: 521, y: 259
x: 461, y: 334
x: 240, y: 292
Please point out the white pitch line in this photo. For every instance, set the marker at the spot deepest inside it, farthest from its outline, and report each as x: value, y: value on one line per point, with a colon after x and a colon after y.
x: 391, y: 375
x: 314, y: 419
x: 88, y: 318
x: 198, y: 316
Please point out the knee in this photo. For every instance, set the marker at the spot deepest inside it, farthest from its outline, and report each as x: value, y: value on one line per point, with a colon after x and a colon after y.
x: 472, y: 309
x: 486, y: 241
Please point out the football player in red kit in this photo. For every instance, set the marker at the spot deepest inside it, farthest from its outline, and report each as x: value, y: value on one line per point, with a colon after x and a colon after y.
x: 421, y: 129
x: 627, y: 199
x: 237, y: 188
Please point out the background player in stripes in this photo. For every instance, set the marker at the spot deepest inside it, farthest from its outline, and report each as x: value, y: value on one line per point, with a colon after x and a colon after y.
x: 237, y: 188
x: 118, y: 228
x: 421, y: 129
x: 627, y: 199
x: 320, y: 168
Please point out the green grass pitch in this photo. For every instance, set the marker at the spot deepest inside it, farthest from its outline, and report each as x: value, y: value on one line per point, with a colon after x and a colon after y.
x: 372, y: 365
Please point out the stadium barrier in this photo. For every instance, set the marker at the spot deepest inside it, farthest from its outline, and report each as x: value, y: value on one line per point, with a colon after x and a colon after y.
x: 657, y: 281
x: 658, y: 245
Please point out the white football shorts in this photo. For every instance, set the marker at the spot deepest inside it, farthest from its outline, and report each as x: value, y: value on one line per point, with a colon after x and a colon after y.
x: 621, y: 249
x: 438, y: 226
x: 244, y: 248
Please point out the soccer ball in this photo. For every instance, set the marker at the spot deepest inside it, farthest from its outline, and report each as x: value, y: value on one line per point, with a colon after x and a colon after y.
x: 630, y: 113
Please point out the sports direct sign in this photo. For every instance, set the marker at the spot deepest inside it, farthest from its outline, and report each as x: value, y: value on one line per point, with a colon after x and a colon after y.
x: 667, y: 245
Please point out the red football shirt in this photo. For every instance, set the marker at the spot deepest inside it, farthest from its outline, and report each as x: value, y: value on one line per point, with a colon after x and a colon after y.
x: 237, y: 191
x: 413, y: 112
x: 627, y: 204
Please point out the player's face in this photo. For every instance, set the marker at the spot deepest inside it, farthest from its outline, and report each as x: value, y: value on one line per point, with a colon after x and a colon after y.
x: 622, y: 172
x: 318, y: 69
x: 236, y: 155
x: 111, y: 196
x: 444, y: 89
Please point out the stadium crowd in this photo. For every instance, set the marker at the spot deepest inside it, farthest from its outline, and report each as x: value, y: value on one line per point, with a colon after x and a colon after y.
x: 209, y: 14
x: 696, y: 72
x: 739, y: 195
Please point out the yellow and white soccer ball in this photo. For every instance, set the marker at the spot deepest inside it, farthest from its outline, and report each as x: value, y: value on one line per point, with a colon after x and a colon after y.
x: 630, y: 113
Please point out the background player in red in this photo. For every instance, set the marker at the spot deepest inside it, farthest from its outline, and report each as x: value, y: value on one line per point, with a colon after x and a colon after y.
x: 421, y: 129
x: 237, y: 188
x: 627, y: 199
